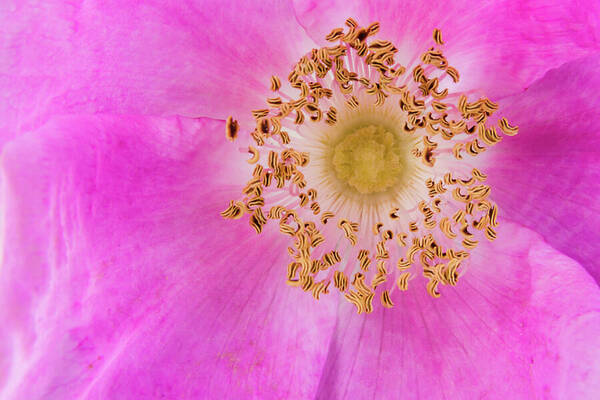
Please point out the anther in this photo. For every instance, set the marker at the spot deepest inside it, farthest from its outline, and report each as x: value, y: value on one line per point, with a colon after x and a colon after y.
x: 231, y: 129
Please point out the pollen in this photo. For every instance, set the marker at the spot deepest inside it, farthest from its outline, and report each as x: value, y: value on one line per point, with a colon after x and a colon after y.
x: 366, y: 165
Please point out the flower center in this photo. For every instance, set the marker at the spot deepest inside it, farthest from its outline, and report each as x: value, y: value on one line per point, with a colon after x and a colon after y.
x: 369, y: 159
x: 362, y: 165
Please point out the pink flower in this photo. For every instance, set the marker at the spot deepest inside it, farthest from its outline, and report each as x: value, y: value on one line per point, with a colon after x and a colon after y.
x: 120, y: 280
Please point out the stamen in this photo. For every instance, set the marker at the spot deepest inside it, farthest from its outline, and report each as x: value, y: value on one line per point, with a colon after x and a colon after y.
x: 231, y: 129
x: 402, y: 281
x: 437, y: 36
x: 373, y: 142
x: 275, y: 83
x: 385, y: 299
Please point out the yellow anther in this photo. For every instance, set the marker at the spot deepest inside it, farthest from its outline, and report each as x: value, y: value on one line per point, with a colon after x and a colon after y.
x: 507, y: 128
x: 402, y: 281
x: 326, y: 216
x: 437, y: 36
x: 255, y: 155
x: 432, y: 288
x: 385, y: 299
x: 401, y: 239
x: 235, y: 210
x: 340, y: 281
x: 453, y: 73
x: 231, y: 129
x: 275, y: 83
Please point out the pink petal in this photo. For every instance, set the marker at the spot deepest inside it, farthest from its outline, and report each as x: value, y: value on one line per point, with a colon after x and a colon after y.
x: 522, y: 323
x: 154, y: 58
x: 498, y: 46
x: 548, y: 176
x: 120, y: 279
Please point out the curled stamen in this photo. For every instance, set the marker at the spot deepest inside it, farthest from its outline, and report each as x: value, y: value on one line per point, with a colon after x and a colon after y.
x: 402, y: 281
x: 255, y: 155
x: 507, y: 128
x: 437, y: 36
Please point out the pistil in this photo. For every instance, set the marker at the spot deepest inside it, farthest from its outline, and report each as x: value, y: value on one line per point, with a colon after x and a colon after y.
x: 369, y: 160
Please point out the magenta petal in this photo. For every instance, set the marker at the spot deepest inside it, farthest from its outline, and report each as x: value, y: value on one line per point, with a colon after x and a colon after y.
x: 120, y: 279
x: 154, y: 58
x: 522, y: 323
x: 498, y: 46
x: 548, y: 176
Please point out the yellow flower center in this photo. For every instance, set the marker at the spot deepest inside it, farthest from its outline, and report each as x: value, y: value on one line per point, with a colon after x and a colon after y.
x: 369, y: 160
